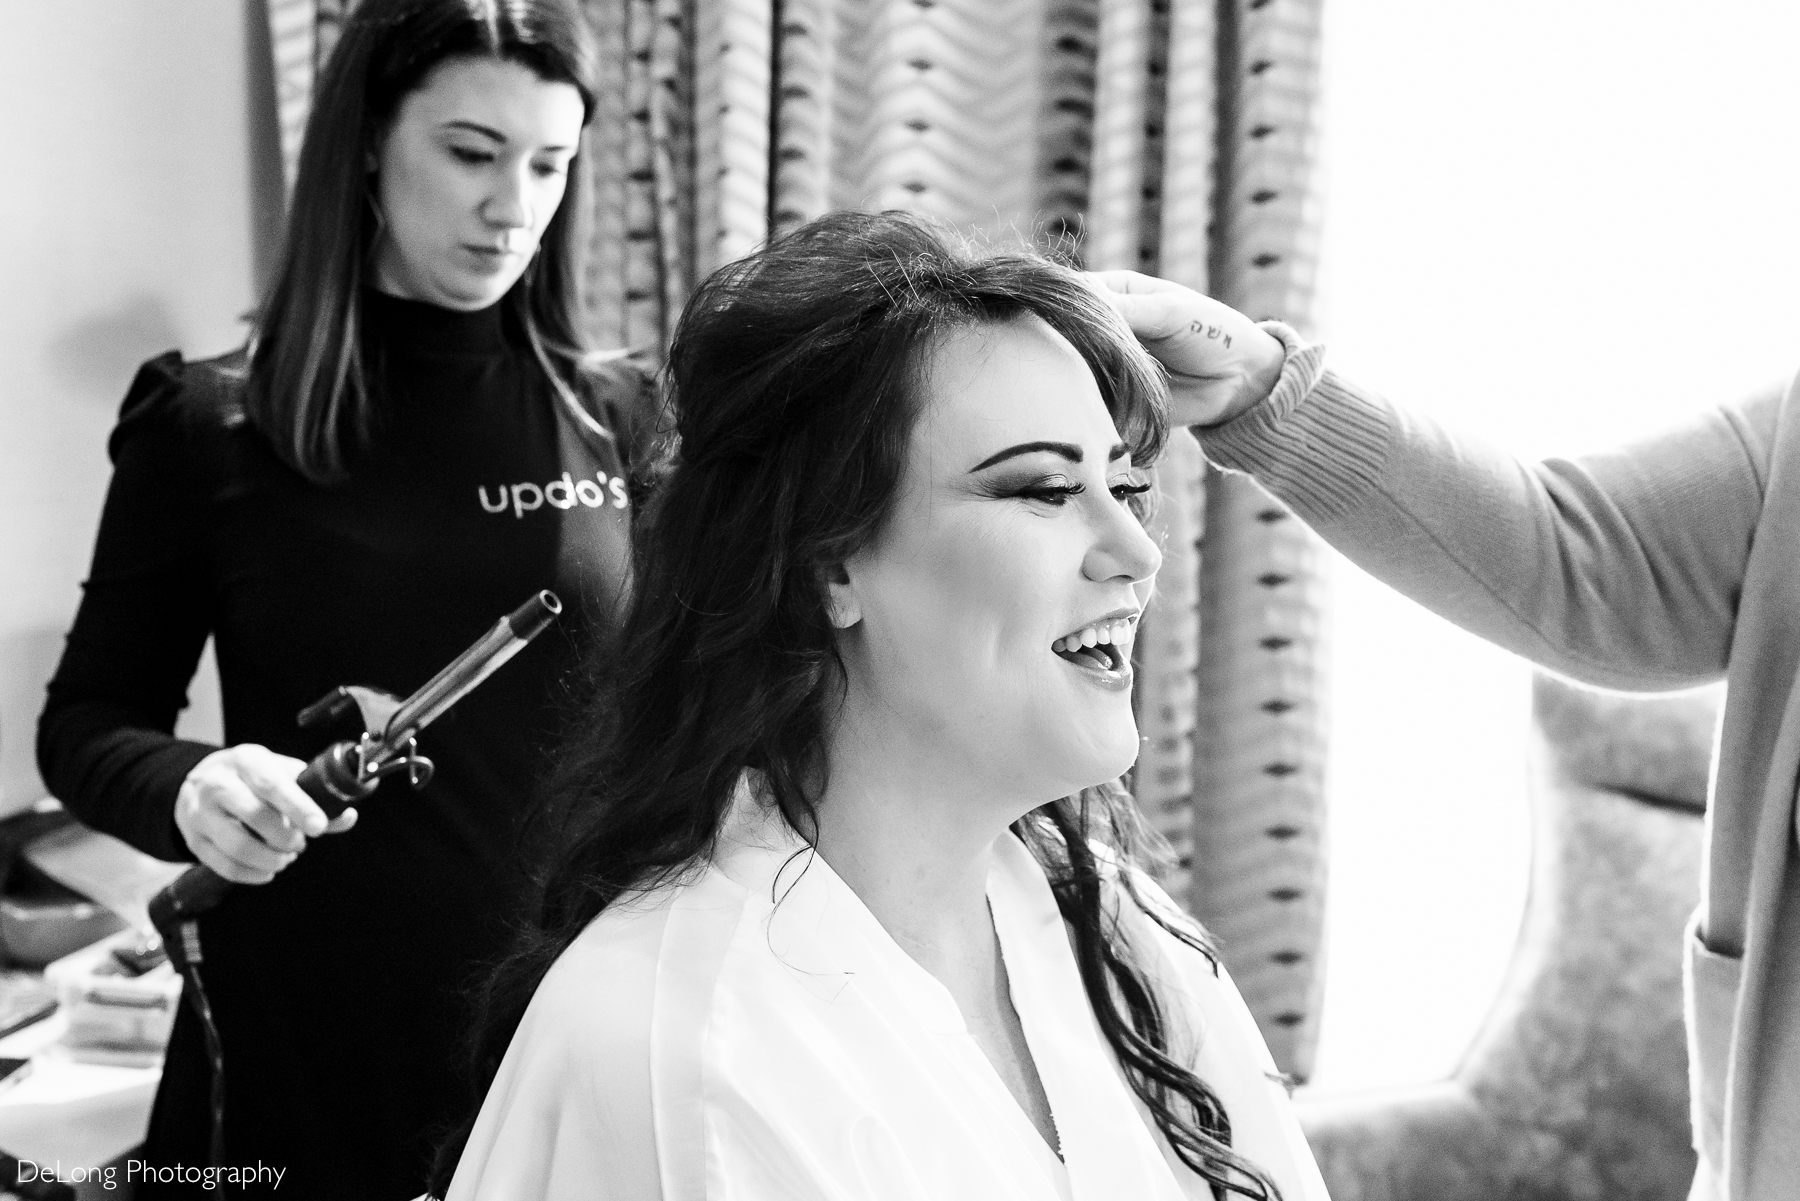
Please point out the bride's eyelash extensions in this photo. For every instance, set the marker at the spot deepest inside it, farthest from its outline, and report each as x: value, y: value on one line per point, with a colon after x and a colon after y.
x: 1059, y: 494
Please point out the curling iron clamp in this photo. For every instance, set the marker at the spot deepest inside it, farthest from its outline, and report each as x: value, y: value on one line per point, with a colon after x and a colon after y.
x: 345, y: 773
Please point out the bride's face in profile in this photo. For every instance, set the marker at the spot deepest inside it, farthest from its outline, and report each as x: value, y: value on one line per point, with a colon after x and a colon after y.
x: 992, y: 618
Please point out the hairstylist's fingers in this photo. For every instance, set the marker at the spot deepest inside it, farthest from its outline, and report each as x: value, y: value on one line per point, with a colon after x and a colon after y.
x: 1134, y: 282
x: 1219, y: 362
x: 1154, y: 308
x: 227, y: 825
x: 247, y: 853
x: 271, y: 777
x: 239, y: 800
x: 1159, y: 309
x: 218, y: 840
x: 223, y: 808
x: 342, y: 822
x: 224, y: 863
x: 1159, y: 318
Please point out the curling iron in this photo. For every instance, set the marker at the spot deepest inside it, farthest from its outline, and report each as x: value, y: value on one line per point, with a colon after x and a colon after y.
x: 340, y: 776
x: 347, y: 772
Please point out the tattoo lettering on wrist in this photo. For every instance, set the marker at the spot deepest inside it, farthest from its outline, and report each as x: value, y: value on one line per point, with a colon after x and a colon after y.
x: 1213, y: 332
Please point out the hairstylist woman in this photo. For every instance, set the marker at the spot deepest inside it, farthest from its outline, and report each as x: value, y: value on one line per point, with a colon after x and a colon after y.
x: 845, y: 907
x: 1664, y: 564
x: 412, y: 447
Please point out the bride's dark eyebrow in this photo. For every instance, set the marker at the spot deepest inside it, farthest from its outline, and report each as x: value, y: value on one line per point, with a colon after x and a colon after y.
x: 1067, y: 450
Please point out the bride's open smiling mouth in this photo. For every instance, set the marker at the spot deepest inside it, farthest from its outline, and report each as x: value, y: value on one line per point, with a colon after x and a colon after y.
x: 1101, y: 649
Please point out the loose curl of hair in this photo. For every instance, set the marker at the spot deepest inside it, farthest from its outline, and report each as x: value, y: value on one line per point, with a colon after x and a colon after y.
x: 793, y: 387
x: 309, y: 390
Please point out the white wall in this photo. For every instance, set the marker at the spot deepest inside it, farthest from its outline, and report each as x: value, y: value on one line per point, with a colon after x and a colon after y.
x: 130, y: 207
x: 1558, y: 222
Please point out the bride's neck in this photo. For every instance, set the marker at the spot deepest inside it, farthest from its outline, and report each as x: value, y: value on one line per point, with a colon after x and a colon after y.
x: 912, y: 838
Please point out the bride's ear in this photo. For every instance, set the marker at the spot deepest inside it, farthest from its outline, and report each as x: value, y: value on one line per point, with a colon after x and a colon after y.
x: 842, y: 605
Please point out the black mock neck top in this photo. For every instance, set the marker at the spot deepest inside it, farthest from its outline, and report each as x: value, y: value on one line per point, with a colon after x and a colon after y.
x: 338, y: 986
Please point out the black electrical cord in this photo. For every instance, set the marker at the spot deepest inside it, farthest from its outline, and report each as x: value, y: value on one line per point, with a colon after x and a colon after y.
x: 188, y: 959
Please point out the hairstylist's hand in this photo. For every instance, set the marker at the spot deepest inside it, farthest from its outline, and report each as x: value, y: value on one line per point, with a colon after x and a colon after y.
x: 243, y: 816
x: 1219, y: 362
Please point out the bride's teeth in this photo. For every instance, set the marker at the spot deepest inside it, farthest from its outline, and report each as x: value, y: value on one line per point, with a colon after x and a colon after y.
x: 1112, y: 633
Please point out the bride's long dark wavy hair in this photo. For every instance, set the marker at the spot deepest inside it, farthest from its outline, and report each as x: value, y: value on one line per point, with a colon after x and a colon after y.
x: 793, y: 391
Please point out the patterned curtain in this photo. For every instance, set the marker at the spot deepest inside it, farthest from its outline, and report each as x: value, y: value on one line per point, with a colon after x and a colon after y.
x: 1259, y: 812
x: 1169, y: 136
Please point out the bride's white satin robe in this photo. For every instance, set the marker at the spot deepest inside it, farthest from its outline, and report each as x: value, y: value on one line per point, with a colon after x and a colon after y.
x: 754, y: 1034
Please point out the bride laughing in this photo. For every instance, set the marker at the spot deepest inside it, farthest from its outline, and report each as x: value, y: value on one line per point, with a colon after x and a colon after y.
x: 842, y: 901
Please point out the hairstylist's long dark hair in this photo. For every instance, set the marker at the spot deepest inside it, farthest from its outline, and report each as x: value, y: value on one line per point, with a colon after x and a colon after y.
x: 793, y: 381
x: 309, y: 388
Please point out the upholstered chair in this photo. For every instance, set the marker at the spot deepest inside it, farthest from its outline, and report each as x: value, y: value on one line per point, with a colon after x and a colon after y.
x: 1576, y: 1085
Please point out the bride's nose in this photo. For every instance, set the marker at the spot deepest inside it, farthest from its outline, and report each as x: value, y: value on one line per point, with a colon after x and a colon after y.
x: 1122, y: 550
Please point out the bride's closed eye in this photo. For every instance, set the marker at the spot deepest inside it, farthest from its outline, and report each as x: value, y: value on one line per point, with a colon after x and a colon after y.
x: 1124, y: 492
x: 1060, y: 493
x: 1050, y: 492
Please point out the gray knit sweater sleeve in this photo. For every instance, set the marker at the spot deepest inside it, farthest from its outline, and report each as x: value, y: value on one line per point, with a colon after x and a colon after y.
x: 1622, y: 569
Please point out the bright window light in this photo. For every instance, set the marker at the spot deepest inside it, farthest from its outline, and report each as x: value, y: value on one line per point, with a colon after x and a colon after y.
x: 1555, y: 225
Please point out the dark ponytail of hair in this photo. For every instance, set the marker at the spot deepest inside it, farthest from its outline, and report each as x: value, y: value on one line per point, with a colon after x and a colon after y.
x: 309, y: 389
x: 792, y: 379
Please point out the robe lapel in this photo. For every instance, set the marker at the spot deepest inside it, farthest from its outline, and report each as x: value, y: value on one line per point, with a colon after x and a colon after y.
x: 885, y: 1017
x: 1105, y: 1144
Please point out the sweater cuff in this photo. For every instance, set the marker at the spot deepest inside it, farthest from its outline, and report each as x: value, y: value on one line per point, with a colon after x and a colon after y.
x: 162, y: 838
x: 143, y: 810
x: 1317, y: 442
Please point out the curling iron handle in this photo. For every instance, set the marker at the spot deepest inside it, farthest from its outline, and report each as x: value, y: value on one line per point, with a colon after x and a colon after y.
x: 332, y: 779
x: 194, y: 891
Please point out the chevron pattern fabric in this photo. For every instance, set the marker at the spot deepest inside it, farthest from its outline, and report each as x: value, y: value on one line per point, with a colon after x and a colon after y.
x: 947, y: 127
x: 603, y: 162
x: 301, y: 36
x: 1259, y: 817
x: 1067, y: 86
x: 1162, y: 135
x: 1258, y: 880
x: 1115, y: 205
x: 805, y: 38
x: 732, y: 79
x: 1166, y: 659
x: 292, y: 40
x: 1189, y: 146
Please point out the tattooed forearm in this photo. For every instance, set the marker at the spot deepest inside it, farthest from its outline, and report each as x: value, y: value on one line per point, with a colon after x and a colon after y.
x: 1210, y: 331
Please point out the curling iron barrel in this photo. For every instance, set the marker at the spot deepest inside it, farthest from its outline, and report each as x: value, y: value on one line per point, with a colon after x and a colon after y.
x: 347, y: 772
